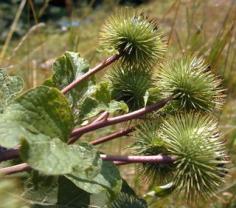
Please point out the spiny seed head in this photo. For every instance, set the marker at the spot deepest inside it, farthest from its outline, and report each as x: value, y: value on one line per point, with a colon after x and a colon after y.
x: 130, y: 84
x: 148, y: 141
x: 135, y: 36
x: 199, y: 167
x: 128, y: 201
x: 197, y: 87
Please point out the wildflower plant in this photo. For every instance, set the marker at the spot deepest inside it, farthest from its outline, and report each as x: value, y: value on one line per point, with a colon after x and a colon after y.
x: 179, y: 149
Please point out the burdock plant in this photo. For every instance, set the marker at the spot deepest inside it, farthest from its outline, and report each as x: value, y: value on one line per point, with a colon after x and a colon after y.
x: 197, y: 87
x: 136, y: 36
x: 130, y: 84
x: 179, y: 150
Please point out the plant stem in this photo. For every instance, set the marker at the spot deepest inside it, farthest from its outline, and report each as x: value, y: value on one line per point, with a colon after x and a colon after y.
x: 120, y: 133
x: 102, y: 116
x: 159, y: 159
x: 117, y: 159
x: 15, y: 169
x: 118, y: 119
x: 9, y: 154
x: 99, y: 124
x: 14, y: 153
x: 92, y: 71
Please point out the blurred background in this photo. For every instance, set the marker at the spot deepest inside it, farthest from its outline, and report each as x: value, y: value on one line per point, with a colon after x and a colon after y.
x: 35, y: 32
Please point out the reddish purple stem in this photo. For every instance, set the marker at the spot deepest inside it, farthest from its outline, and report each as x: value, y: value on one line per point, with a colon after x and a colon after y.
x: 92, y: 71
x: 158, y: 159
x: 118, y: 119
x: 120, y: 133
x: 9, y: 154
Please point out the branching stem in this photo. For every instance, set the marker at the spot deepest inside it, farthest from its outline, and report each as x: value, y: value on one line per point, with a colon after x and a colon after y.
x: 120, y: 133
x: 118, y: 119
x: 14, y: 153
x: 10, y: 154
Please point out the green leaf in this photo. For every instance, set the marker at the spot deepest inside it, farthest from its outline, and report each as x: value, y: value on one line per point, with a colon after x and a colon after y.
x: 66, y: 69
x: 10, y: 195
x: 108, y: 180
x: 70, y: 196
x: 10, y: 87
x: 98, y: 99
x: 43, y: 111
x: 54, y: 157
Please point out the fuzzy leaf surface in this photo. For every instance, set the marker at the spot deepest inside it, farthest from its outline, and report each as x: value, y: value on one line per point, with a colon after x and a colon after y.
x: 40, y: 111
x: 10, y: 87
x: 54, y: 157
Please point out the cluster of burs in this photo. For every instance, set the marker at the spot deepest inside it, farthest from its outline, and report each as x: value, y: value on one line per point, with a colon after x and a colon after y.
x: 187, y: 127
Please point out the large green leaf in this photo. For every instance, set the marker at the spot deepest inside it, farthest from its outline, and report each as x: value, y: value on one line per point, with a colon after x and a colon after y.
x: 66, y: 69
x: 54, y: 157
x: 98, y: 99
x: 70, y: 196
x: 10, y: 87
x: 42, y: 110
x: 107, y: 180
